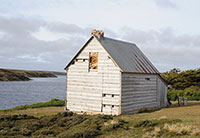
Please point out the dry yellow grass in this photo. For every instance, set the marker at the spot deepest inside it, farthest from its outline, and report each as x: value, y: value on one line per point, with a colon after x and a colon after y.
x: 174, y: 129
x: 191, y: 112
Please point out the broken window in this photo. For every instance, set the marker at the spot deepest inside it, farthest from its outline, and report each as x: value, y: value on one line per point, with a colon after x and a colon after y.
x: 148, y: 79
x: 93, y: 64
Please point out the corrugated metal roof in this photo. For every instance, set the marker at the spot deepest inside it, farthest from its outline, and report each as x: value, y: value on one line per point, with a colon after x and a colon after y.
x: 126, y: 55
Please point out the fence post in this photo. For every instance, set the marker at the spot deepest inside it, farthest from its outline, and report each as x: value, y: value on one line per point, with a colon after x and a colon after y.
x: 179, y: 100
x: 185, y: 100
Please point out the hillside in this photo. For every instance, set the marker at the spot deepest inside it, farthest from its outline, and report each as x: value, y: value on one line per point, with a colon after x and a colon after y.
x: 22, y: 75
x: 176, y: 122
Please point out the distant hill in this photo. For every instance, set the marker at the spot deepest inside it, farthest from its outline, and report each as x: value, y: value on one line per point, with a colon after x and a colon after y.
x: 56, y: 73
x: 25, y: 75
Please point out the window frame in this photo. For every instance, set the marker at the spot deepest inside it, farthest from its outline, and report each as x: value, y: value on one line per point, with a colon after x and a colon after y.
x: 90, y: 56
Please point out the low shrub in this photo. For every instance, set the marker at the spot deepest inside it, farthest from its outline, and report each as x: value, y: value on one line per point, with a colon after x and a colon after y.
x: 65, y: 124
x: 192, y: 93
x: 146, y: 123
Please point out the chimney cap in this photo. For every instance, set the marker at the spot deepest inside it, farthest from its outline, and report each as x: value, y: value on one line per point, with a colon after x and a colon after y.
x: 98, y: 33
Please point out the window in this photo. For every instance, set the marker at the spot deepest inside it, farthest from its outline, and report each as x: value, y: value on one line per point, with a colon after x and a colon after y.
x: 93, y: 63
x: 80, y: 60
x: 148, y: 79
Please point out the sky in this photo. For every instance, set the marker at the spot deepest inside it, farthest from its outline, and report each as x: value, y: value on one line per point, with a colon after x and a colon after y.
x: 46, y: 34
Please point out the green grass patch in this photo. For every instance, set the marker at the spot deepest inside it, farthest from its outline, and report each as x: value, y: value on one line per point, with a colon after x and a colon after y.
x: 52, y: 102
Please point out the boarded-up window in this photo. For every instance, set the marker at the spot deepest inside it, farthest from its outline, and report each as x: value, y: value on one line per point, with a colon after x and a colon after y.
x: 93, y: 60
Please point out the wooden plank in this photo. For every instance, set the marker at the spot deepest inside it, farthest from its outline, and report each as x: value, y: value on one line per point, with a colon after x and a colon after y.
x: 98, y: 71
x: 94, y: 83
x: 93, y: 75
x: 84, y: 108
x: 86, y: 93
x: 140, y: 86
x: 139, y: 102
x: 138, y: 83
x: 139, y: 99
x: 87, y: 100
x: 111, y: 100
x: 141, y: 106
x: 137, y: 95
x: 141, y: 89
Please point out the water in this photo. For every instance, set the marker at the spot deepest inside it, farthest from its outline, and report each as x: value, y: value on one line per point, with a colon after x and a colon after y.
x: 28, y: 92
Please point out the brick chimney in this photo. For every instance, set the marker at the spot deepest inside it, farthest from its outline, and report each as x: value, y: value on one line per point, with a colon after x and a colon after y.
x: 98, y: 33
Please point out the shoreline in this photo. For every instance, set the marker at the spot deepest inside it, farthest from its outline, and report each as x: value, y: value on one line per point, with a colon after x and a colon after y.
x: 25, y: 75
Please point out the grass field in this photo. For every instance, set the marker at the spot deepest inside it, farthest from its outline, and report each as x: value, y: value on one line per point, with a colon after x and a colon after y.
x: 183, y: 122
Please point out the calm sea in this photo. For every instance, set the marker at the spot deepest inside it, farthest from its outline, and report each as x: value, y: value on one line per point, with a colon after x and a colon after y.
x: 28, y: 92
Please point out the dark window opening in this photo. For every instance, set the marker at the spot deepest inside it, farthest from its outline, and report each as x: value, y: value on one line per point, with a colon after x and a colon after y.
x: 104, y: 105
x: 80, y: 60
x: 104, y: 95
x: 113, y: 95
x: 147, y: 79
x: 113, y: 106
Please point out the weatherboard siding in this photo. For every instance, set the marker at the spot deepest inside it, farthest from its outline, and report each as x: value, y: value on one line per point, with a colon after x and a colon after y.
x: 162, y: 93
x: 138, y: 91
x: 93, y: 90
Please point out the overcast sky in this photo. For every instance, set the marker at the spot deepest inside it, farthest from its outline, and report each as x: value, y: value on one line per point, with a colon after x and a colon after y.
x: 46, y: 34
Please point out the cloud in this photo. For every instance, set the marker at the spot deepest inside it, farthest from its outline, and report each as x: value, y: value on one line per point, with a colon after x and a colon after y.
x: 19, y: 48
x: 19, y: 25
x: 165, y: 4
x: 166, y: 49
x: 65, y: 28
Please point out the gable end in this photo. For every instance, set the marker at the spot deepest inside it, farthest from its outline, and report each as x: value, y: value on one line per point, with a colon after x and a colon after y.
x: 92, y: 37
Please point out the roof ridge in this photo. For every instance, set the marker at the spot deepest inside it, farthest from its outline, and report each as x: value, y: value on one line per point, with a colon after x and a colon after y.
x: 121, y: 41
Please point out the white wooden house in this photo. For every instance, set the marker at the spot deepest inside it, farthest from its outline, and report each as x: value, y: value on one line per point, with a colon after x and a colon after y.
x: 112, y: 77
